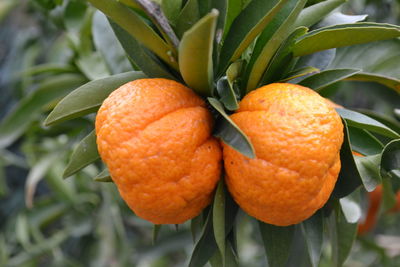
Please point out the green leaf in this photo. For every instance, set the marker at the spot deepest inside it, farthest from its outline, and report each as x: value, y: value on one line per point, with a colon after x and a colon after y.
x: 110, y: 49
x: 137, y: 27
x: 196, y: 226
x: 344, y: 35
x: 368, y: 167
x: 230, y: 133
x: 206, y: 246
x: 362, y: 121
x: 189, y: 15
x: 350, y: 208
x: 371, y: 77
x: 313, y: 231
x: 300, y: 73
x: 269, y: 41
x: 30, y: 107
x: 279, y: 65
x: 342, y: 236
x: 140, y: 56
x: 226, y: 92
x: 364, y: 142
x: 219, y: 219
x: 245, y: 28
x: 312, y: 14
x: 327, y: 77
x: 88, y: 98
x: 103, y: 176
x: 277, y: 242
x: 390, y: 162
x: 156, y: 231
x: 389, y: 199
x: 349, y: 178
x: 171, y: 9
x: 84, y: 154
x: 195, y: 54
x: 385, y: 119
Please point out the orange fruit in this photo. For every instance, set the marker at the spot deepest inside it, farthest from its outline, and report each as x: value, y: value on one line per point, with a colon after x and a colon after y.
x: 297, y: 138
x: 154, y: 135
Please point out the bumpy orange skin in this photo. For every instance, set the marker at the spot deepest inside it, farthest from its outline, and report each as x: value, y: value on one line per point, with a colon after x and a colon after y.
x: 297, y: 137
x: 155, y: 137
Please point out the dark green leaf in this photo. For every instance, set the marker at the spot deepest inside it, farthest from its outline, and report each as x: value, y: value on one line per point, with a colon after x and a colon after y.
x: 156, y: 231
x: 385, y: 119
x: 219, y: 219
x: 349, y: 178
x: 206, y: 246
x: 30, y: 107
x: 362, y: 121
x: 269, y: 41
x: 368, y: 167
x: 327, y: 77
x: 84, y: 154
x: 320, y: 60
x: 228, y: 96
x: 245, y: 28
x: 300, y: 73
x: 196, y: 225
x: 312, y: 14
x: 390, y: 164
x: 278, y: 67
x: 342, y: 236
x: 313, y: 230
x: 189, y: 15
x: 344, y: 35
x: 350, y: 207
x: 171, y: 9
x: 230, y: 133
x: 371, y: 77
x: 103, y: 176
x: 389, y: 199
x: 88, y: 98
x: 195, y: 54
x: 363, y: 142
x: 277, y: 242
x: 141, y: 56
x: 137, y: 27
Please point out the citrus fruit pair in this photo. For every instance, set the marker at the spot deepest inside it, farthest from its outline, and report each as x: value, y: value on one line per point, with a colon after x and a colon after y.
x: 155, y: 136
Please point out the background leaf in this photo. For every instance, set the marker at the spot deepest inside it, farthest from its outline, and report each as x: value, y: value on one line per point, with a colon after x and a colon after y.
x: 312, y: 14
x: 390, y: 164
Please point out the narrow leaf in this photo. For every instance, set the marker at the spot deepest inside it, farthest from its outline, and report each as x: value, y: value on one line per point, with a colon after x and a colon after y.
x: 137, y: 27
x: 349, y: 178
x: 342, y: 236
x: 219, y: 219
x: 364, y: 142
x: 277, y: 242
x: 390, y: 164
x: 141, y: 56
x: 88, y: 98
x: 344, y: 35
x: 300, y: 73
x: 312, y: 14
x: 362, y: 121
x: 206, y: 246
x: 371, y: 77
x: 171, y: 10
x: 230, y: 133
x: 226, y: 92
x: 245, y: 28
x: 269, y: 41
x: 30, y: 107
x: 313, y: 230
x: 195, y: 54
x: 189, y: 15
x: 327, y: 77
x: 279, y: 65
x: 368, y: 167
x: 103, y: 176
x: 336, y: 18
x: 84, y: 154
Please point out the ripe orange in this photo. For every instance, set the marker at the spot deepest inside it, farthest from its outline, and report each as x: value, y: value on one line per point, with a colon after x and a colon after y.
x: 297, y: 137
x: 155, y: 137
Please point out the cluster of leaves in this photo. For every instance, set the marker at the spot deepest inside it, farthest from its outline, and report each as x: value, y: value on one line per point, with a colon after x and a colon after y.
x: 223, y: 50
